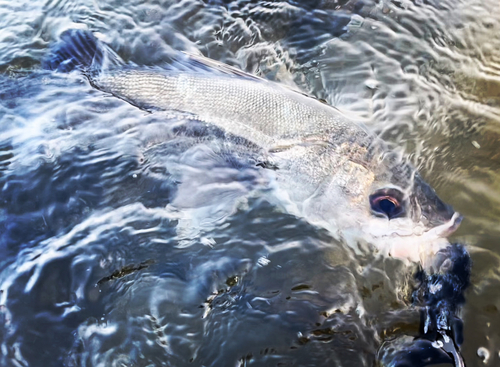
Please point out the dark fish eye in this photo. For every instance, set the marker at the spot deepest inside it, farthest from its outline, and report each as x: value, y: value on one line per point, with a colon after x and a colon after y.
x: 388, y: 203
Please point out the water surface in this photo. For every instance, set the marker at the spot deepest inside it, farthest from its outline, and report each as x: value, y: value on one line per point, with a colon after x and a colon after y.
x: 100, y: 268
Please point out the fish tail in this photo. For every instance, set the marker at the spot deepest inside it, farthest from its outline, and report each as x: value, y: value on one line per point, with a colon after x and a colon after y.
x: 79, y: 49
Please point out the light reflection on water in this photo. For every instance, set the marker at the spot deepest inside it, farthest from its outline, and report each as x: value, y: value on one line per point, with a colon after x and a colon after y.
x: 98, y: 271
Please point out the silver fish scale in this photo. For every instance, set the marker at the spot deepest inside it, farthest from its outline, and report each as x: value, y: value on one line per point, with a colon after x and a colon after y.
x: 262, y: 112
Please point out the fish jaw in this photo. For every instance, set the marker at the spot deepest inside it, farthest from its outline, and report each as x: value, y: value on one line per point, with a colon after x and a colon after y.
x: 416, y: 249
x: 447, y: 228
x: 399, y: 238
x: 418, y: 246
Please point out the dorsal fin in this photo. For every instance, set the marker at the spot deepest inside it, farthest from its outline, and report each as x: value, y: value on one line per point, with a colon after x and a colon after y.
x: 202, y: 63
x: 79, y: 49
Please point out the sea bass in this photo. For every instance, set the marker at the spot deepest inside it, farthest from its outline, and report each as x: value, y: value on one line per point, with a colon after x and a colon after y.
x: 332, y: 170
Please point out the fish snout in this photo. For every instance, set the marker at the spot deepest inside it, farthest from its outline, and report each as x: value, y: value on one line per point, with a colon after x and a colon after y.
x: 454, y: 222
x: 447, y: 228
x: 439, y: 217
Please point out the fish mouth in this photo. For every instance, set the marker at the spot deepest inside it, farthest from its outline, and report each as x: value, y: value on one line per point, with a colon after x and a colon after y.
x: 447, y: 228
x: 442, y: 231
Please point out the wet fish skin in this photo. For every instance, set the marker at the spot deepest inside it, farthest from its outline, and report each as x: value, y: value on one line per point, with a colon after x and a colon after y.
x: 264, y: 113
x: 300, y: 133
x: 328, y: 165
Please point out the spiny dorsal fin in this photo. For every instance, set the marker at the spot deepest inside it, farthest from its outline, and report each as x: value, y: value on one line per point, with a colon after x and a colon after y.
x: 79, y: 49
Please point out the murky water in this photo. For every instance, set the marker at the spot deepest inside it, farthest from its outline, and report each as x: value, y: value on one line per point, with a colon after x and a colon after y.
x: 99, y: 269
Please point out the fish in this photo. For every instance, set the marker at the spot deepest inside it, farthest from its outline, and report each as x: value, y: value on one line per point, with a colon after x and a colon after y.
x: 328, y: 168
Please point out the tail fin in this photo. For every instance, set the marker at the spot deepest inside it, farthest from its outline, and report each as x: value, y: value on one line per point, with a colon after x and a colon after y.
x: 79, y: 50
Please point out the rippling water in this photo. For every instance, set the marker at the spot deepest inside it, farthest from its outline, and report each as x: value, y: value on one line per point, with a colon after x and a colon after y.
x: 108, y: 260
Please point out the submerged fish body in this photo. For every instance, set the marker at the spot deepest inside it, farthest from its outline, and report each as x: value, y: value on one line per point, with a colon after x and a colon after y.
x: 262, y: 112
x: 329, y: 169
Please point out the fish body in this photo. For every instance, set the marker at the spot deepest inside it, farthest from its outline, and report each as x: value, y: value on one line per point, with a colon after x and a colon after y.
x: 311, y: 143
x: 330, y: 169
x: 265, y: 113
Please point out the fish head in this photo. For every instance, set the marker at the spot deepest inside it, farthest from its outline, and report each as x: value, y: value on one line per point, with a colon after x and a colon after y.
x: 427, y: 208
x: 412, y: 209
x: 367, y: 193
x: 404, y: 214
x: 382, y: 200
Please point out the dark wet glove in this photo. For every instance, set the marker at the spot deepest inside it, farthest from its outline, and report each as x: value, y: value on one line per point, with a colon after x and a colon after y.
x: 440, y: 295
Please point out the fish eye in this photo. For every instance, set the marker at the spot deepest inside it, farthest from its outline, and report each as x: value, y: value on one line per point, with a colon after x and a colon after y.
x: 388, y: 203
